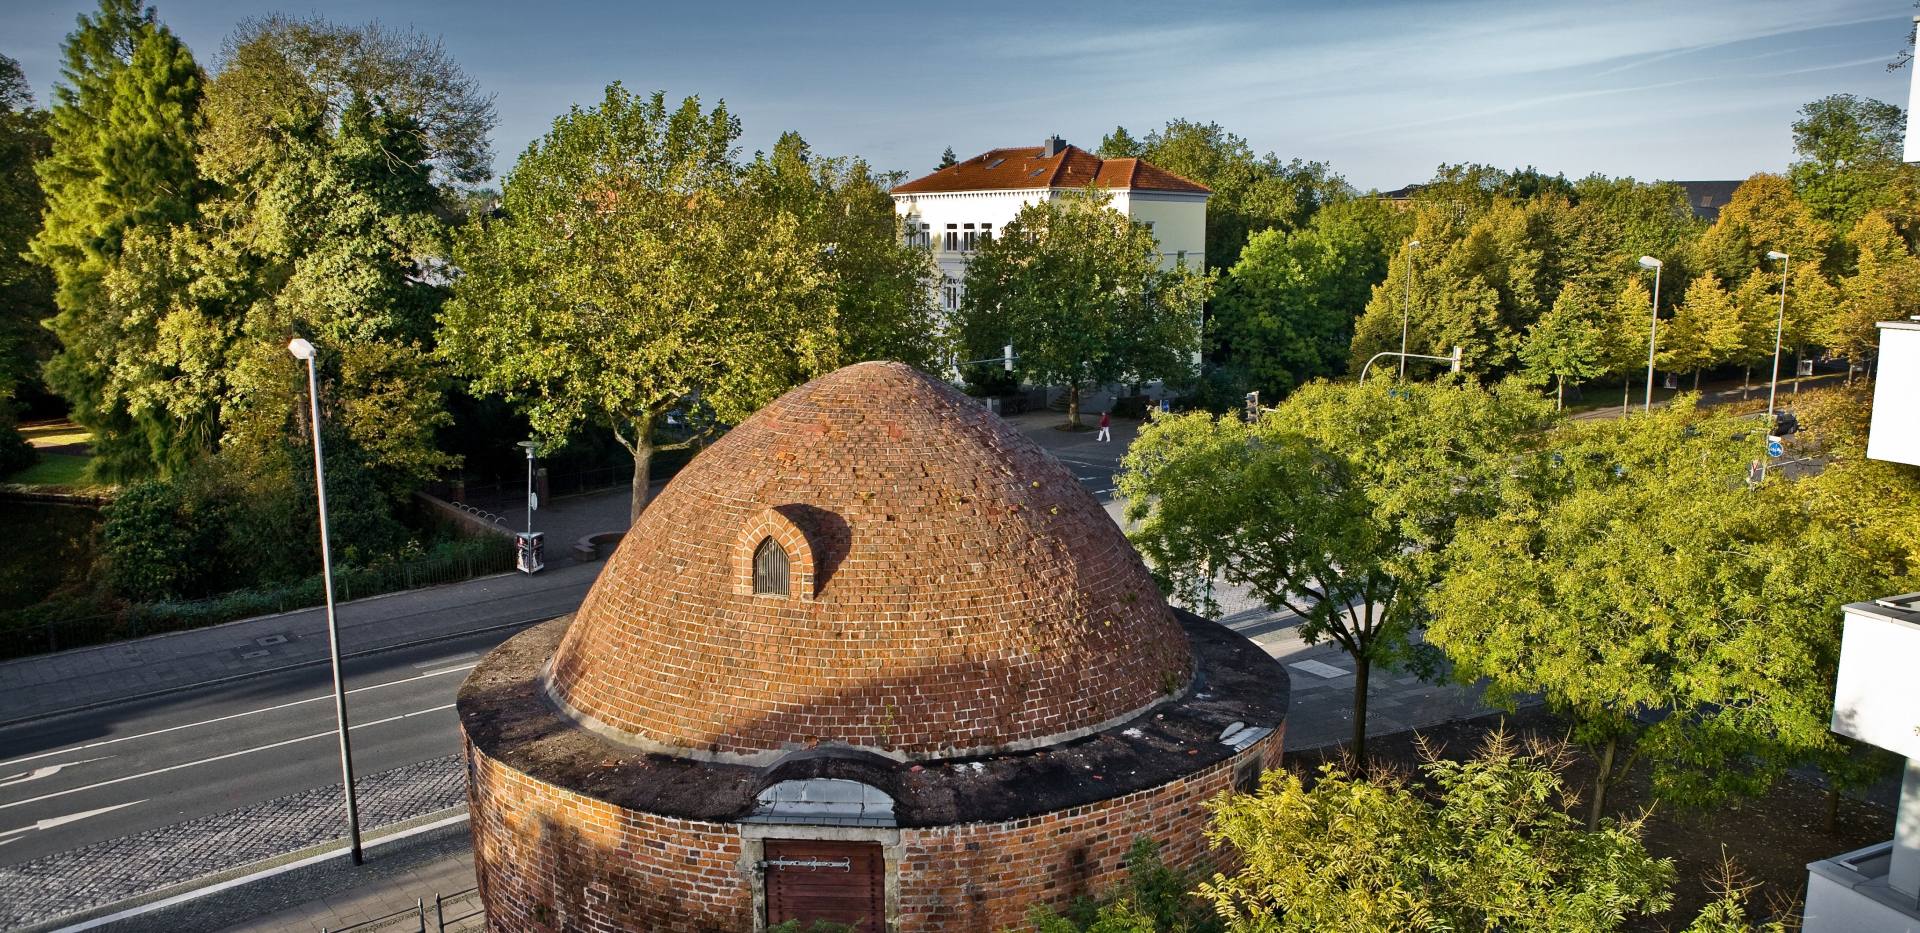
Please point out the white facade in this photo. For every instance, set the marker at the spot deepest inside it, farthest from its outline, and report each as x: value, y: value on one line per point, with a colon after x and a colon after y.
x: 954, y: 223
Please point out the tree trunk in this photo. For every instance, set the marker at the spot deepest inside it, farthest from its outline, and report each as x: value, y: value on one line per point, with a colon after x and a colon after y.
x: 1626, y: 394
x: 1601, y: 780
x: 1696, y: 380
x: 1745, y: 382
x: 1796, y: 371
x: 1073, y: 406
x: 642, y: 449
x: 1362, y: 669
x: 1559, y: 392
x: 1833, y: 807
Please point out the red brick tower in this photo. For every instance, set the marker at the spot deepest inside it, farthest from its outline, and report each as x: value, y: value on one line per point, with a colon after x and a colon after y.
x: 874, y: 656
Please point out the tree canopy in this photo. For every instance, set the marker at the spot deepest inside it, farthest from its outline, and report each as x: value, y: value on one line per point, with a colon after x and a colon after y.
x: 1080, y: 292
x: 1333, y: 506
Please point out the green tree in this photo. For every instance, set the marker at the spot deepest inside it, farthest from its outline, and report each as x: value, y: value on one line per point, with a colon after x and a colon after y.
x: 1708, y: 329
x: 947, y: 159
x: 1763, y: 215
x: 122, y: 132
x: 881, y: 287
x: 1885, y: 286
x: 26, y: 289
x: 1333, y: 506
x: 1481, y: 844
x: 1568, y: 342
x: 1251, y: 192
x: 1849, y: 163
x: 1078, y: 289
x: 1285, y: 312
x: 631, y: 274
x: 1629, y: 570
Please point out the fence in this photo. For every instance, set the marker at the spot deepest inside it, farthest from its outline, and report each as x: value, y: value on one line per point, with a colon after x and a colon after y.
x: 23, y: 635
x: 459, y: 911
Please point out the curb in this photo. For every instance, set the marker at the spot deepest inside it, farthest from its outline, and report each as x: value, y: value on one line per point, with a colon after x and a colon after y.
x: 231, y: 678
x: 443, y: 822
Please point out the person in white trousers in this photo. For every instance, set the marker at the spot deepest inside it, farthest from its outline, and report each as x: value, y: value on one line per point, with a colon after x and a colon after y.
x: 1106, y: 426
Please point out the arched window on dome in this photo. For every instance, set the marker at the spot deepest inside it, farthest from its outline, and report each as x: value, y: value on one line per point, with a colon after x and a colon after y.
x: 770, y: 569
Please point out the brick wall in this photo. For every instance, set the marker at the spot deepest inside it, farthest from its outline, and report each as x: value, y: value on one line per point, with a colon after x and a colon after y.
x: 550, y: 860
x: 957, y: 591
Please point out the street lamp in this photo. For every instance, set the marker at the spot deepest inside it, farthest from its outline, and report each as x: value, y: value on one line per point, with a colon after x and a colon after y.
x: 1779, y: 325
x: 303, y: 350
x: 1406, y: 309
x: 1653, y: 331
x: 529, y: 445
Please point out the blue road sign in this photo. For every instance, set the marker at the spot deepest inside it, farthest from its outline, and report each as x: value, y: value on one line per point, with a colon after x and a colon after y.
x: 1773, y: 447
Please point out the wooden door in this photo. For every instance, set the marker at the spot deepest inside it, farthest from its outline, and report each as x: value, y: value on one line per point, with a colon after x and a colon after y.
x: 843, y: 882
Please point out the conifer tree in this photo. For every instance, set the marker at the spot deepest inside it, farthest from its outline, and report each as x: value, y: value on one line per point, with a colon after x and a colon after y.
x: 121, y: 160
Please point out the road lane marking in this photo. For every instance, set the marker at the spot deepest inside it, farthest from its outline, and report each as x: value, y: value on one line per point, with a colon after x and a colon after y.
x: 44, y: 771
x: 449, y: 659
x: 209, y: 722
x: 204, y: 761
x: 13, y: 835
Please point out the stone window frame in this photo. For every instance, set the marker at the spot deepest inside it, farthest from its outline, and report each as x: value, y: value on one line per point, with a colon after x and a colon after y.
x: 800, y: 564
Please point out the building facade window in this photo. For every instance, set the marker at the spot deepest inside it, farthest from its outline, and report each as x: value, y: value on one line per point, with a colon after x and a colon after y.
x: 953, y: 238
x: 770, y: 569
x: 950, y: 293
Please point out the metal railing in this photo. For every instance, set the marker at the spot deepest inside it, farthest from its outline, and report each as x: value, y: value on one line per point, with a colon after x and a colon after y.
x: 457, y: 912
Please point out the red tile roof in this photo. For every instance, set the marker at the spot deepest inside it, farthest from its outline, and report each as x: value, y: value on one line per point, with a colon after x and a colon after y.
x: 1028, y: 167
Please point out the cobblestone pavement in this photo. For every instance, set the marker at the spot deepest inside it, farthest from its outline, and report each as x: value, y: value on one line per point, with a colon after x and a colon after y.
x: 58, y: 885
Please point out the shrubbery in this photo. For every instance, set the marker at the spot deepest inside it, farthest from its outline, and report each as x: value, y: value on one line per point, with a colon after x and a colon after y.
x: 227, y: 525
x: 15, y: 453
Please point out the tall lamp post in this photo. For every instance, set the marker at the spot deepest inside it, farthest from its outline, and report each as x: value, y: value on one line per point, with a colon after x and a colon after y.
x: 1406, y: 309
x: 302, y: 350
x: 1779, y: 326
x: 1653, y: 331
x: 529, y: 446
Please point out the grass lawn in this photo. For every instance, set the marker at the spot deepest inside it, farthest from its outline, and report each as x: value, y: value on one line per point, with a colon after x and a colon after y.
x: 53, y: 470
x: 54, y: 434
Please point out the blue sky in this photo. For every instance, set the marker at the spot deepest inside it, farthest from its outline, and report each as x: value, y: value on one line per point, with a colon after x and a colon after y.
x: 1383, y: 89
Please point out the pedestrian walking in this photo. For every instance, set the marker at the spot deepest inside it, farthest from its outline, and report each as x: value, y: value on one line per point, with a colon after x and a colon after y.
x: 1106, y: 425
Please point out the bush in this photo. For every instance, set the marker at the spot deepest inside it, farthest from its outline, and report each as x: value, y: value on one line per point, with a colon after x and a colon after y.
x: 1156, y: 898
x: 155, y: 541
x: 15, y: 453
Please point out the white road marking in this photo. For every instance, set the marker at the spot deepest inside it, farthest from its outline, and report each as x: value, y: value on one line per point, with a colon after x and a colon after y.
x: 254, y: 712
x: 44, y: 771
x: 1318, y: 669
x: 449, y: 659
x: 53, y: 821
x: 245, y: 751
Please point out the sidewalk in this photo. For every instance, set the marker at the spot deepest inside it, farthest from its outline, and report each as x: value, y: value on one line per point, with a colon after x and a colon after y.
x: 46, y: 684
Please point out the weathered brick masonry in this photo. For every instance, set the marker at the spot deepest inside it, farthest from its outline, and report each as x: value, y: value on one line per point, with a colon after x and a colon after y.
x: 963, y: 639
x: 554, y: 860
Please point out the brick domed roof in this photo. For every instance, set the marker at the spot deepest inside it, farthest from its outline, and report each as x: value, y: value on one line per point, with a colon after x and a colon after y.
x: 951, y: 590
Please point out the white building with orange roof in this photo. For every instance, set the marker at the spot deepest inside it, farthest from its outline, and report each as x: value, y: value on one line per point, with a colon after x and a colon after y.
x: 955, y: 210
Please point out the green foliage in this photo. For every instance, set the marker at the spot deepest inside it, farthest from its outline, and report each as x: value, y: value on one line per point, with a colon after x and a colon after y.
x: 1885, y: 286
x: 1706, y: 330
x: 26, y: 288
x: 1485, y: 843
x: 1333, y: 506
x: 1849, y: 160
x: 947, y: 159
x: 1285, y: 311
x: 16, y: 453
x: 1079, y: 291
x: 1568, y: 342
x: 1629, y: 569
x: 632, y: 270
x: 1251, y: 192
x: 122, y: 134
x: 880, y: 287
x: 1155, y: 898
x: 243, y: 520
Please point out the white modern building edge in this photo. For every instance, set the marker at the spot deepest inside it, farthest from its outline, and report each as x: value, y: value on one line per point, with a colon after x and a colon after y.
x: 1876, y: 696
x: 955, y: 210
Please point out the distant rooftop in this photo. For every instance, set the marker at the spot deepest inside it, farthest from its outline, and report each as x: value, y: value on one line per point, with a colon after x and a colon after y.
x: 1054, y: 164
x: 1708, y: 197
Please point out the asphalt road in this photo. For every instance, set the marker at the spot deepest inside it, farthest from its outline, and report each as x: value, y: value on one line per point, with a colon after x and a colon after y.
x: 86, y: 777
x: 101, y: 774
